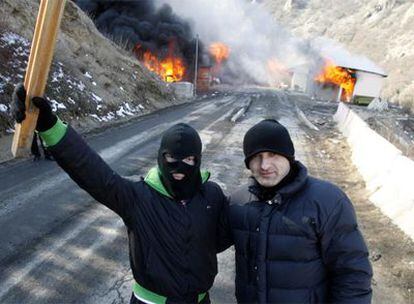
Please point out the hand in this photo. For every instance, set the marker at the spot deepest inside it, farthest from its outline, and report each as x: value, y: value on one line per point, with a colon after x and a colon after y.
x: 46, y: 118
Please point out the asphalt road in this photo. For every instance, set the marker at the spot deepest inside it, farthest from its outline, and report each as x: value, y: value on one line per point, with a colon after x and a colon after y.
x: 59, y: 246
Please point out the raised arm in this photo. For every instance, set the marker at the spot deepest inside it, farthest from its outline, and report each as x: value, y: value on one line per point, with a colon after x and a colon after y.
x: 81, y: 162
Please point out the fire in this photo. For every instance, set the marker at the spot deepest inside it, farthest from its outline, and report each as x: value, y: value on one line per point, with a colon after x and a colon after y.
x: 339, y: 76
x: 220, y: 53
x: 279, y: 74
x: 170, y: 68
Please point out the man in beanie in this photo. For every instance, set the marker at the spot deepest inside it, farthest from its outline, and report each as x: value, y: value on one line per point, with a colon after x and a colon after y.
x: 296, y: 237
x: 175, y: 217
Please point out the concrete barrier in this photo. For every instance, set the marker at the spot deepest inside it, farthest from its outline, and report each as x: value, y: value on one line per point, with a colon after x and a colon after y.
x: 184, y: 90
x: 389, y: 176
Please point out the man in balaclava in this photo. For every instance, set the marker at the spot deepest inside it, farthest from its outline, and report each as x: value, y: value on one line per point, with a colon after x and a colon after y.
x: 296, y: 237
x: 179, y: 159
x: 175, y: 217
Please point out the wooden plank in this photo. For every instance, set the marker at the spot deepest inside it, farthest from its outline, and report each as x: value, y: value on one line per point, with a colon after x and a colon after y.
x: 41, y: 55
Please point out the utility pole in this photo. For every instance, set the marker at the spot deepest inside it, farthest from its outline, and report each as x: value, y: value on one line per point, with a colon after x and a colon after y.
x: 196, y: 68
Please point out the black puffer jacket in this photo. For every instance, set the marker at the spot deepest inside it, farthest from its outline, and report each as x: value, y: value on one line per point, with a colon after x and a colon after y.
x: 303, y: 246
x: 172, y: 246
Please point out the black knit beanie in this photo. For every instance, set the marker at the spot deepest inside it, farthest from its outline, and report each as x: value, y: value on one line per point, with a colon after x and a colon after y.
x: 267, y: 136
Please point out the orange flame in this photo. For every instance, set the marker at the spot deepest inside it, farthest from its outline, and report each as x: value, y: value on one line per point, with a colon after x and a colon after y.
x: 275, y: 67
x: 279, y: 74
x: 220, y: 53
x: 170, y: 69
x: 339, y: 76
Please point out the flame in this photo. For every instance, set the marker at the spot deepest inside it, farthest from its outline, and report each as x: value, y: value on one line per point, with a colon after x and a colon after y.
x: 275, y: 67
x: 220, y: 53
x: 278, y: 73
x: 339, y: 76
x: 170, y: 69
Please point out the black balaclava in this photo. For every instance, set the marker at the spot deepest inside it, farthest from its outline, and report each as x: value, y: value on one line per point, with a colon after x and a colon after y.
x: 180, y: 141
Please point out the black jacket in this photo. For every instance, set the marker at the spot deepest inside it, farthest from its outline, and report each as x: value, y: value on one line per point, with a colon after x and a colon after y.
x: 302, y: 246
x: 172, y: 247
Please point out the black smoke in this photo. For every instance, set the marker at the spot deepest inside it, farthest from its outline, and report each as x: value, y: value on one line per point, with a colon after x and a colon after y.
x: 140, y: 26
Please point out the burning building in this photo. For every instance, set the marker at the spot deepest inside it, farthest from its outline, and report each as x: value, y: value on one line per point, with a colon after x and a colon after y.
x: 347, y: 82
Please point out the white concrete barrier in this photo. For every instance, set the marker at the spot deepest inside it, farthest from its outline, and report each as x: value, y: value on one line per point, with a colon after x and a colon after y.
x: 183, y: 89
x: 389, y: 176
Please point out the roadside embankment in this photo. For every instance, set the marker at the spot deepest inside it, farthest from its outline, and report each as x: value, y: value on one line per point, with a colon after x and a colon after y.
x: 388, y: 174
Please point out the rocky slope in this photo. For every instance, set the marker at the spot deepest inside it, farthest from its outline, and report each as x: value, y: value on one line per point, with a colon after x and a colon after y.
x: 382, y: 30
x: 92, y: 81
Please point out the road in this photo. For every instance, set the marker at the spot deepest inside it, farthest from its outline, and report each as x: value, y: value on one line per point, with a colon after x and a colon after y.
x: 59, y: 246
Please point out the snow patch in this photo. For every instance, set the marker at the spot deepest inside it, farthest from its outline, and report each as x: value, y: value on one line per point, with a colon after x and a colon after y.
x: 88, y: 75
x: 57, y: 75
x: 124, y: 110
x: 96, y: 97
x: 3, y: 108
x: 13, y: 38
x: 96, y: 117
x: 56, y: 105
x: 108, y: 116
x: 81, y: 86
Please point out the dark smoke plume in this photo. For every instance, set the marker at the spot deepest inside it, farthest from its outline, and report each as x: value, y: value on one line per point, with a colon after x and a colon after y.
x: 140, y: 26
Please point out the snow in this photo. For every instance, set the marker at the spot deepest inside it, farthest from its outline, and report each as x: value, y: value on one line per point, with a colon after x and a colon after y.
x: 13, y: 38
x: 56, y: 105
x: 96, y: 97
x: 21, y: 47
x: 108, y: 116
x: 57, y: 75
x: 96, y: 117
x: 3, y: 81
x: 124, y: 111
x: 81, y: 86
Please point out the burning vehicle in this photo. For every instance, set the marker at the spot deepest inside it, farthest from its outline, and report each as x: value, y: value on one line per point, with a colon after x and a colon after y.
x: 162, y: 41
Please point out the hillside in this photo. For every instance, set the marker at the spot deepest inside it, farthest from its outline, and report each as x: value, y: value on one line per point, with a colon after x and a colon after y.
x: 382, y: 30
x: 92, y: 81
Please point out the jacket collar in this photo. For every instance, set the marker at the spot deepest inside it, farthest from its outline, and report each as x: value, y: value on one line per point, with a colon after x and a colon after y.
x: 153, y: 180
x: 288, y: 190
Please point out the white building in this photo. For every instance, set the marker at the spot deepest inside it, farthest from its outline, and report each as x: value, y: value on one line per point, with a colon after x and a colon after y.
x: 368, y: 84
